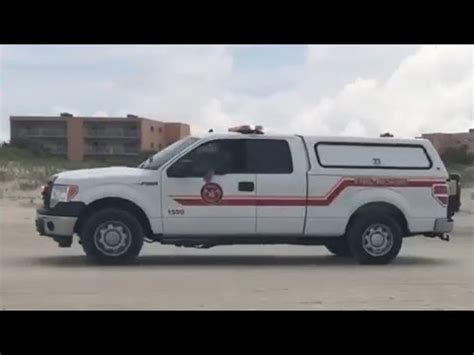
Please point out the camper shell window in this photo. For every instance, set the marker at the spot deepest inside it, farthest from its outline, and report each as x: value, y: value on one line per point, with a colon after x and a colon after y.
x: 372, y: 155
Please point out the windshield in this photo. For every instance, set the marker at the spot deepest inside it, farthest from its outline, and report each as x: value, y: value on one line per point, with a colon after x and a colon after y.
x: 157, y: 160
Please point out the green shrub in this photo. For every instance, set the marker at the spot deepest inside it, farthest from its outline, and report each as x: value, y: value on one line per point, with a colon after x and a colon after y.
x: 35, y: 168
x: 459, y: 155
x: 29, y: 185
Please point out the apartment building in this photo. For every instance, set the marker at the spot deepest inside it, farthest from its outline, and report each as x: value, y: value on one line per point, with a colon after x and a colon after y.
x: 93, y: 137
x: 443, y: 141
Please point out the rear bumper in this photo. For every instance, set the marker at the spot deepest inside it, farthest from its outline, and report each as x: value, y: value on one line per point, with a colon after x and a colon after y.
x: 55, y: 226
x: 443, y: 225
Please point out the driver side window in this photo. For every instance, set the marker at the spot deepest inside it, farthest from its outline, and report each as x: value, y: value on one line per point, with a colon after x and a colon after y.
x: 225, y: 156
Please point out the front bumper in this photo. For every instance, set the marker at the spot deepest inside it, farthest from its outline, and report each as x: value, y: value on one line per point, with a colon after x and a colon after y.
x: 60, y: 220
x: 55, y: 226
x: 443, y: 225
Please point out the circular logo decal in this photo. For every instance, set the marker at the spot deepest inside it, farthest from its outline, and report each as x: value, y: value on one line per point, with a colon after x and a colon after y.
x: 211, y: 193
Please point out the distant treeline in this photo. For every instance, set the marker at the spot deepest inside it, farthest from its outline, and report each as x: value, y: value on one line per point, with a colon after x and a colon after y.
x: 21, y: 153
x: 459, y: 155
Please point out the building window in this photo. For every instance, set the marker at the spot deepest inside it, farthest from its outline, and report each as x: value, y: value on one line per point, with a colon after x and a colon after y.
x: 159, y: 146
x: 160, y: 130
x: 152, y: 128
x: 152, y: 145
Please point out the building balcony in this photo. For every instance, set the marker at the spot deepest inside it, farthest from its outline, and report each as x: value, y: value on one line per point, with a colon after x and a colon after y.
x: 110, y: 135
x: 105, y: 153
x: 44, y: 134
x: 110, y: 151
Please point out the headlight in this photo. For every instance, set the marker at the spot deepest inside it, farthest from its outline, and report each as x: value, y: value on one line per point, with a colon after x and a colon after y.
x: 62, y: 193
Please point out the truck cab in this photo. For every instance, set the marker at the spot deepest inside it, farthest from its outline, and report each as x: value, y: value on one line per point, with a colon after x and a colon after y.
x: 358, y: 197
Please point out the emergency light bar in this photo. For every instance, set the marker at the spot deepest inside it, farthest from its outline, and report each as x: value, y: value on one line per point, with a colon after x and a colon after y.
x: 247, y: 129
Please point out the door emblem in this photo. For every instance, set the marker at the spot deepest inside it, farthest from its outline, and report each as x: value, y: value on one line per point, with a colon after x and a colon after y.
x: 211, y: 193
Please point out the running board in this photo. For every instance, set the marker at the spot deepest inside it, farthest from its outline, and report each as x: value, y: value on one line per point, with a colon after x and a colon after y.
x: 207, y: 242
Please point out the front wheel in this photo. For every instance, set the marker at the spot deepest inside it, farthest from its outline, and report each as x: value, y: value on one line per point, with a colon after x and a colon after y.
x: 375, y: 239
x: 112, y: 236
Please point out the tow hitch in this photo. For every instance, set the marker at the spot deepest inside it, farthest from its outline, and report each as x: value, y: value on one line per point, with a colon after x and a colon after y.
x: 441, y: 236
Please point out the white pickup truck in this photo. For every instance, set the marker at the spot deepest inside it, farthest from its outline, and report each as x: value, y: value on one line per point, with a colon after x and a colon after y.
x: 358, y: 197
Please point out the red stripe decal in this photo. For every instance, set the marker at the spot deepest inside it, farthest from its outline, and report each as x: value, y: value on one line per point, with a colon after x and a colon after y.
x: 251, y: 201
x: 310, y: 200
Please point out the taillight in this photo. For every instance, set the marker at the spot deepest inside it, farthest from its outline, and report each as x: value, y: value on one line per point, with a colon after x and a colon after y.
x: 441, y: 193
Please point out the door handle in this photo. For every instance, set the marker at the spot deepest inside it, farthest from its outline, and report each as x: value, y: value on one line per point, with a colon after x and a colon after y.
x: 246, y: 186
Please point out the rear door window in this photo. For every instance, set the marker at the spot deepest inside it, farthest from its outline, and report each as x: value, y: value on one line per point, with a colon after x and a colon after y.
x: 269, y: 156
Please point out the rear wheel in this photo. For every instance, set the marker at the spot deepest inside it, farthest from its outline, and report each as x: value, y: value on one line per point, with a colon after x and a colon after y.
x: 339, y: 247
x: 375, y: 239
x: 112, y: 235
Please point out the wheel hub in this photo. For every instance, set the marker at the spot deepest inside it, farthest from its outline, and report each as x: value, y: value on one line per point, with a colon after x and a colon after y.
x: 112, y: 238
x: 377, y: 239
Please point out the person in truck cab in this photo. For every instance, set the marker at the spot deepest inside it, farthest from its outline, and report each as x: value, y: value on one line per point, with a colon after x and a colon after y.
x: 357, y: 197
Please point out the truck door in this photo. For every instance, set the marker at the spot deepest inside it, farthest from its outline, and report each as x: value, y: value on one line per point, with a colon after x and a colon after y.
x: 281, y: 166
x: 208, y: 191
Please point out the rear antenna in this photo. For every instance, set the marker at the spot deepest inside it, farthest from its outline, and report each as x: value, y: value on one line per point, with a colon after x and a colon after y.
x: 210, y: 131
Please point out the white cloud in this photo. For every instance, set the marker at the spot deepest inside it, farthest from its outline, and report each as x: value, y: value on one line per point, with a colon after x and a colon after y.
x: 4, y: 131
x: 335, y: 90
x: 431, y: 90
x: 100, y: 114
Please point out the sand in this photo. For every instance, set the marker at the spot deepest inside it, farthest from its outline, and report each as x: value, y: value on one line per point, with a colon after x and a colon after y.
x: 36, y: 274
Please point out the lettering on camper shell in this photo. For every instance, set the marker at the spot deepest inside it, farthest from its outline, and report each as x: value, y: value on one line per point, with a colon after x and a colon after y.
x: 376, y: 181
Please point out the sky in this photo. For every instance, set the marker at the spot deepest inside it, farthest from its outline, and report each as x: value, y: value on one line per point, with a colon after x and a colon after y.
x: 319, y: 90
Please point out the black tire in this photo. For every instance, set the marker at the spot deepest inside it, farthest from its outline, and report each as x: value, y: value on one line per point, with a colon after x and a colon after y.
x: 339, y: 247
x: 125, y: 227
x: 367, y: 224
